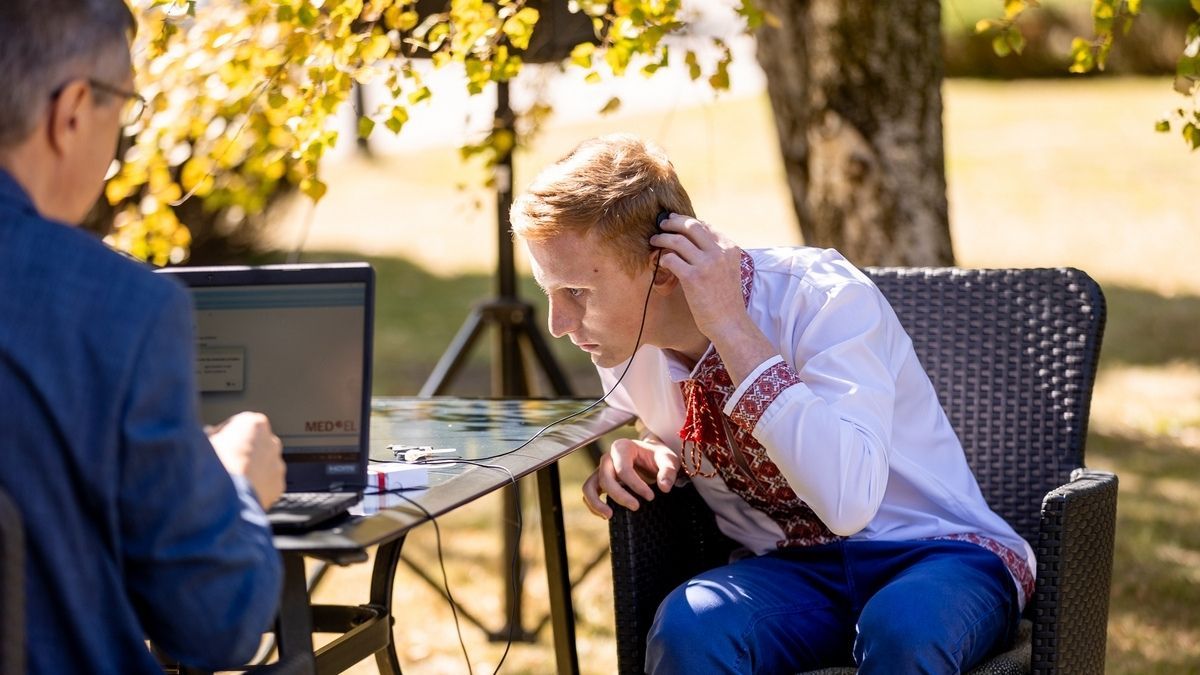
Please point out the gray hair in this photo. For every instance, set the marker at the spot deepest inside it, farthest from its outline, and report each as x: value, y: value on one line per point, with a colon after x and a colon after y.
x: 43, y: 44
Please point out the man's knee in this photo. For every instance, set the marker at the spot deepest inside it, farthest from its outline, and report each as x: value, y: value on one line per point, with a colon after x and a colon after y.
x: 693, y: 628
x: 891, y: 643
x: 940, y: 639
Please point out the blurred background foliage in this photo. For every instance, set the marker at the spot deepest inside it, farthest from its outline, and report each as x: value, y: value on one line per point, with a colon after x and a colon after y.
x: 242, y: 95
x: 1043, y: 172
x: 1152, y: 45
x: 1155, y: 36
x: 243, y: 92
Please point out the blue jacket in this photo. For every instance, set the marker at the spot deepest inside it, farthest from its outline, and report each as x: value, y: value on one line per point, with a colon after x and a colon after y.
x: 134, y: 529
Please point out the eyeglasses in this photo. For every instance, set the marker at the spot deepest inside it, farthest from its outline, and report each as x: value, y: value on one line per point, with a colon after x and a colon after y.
x: 134, y: 106
x: 131, y: 111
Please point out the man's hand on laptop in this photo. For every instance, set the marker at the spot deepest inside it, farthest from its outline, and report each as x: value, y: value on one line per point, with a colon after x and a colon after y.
x: 247, y: 447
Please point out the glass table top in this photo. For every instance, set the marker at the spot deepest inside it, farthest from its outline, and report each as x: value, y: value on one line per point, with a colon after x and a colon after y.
x: 481, y: 428
x: 501, y: 433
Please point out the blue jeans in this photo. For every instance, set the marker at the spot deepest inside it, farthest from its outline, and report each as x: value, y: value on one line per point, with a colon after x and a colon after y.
x: 889, y: 607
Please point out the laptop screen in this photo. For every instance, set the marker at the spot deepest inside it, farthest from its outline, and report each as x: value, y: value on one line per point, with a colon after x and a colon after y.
x: 292, y: 342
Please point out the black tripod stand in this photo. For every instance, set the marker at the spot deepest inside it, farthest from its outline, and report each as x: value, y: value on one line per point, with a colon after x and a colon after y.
x: 517, y: 338
x: 512, y: 317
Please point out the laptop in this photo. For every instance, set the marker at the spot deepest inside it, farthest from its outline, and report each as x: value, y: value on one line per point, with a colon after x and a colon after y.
x: 292, y: 342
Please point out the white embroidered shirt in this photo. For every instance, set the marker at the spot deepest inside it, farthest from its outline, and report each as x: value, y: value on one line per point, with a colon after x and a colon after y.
x: 839, y: 435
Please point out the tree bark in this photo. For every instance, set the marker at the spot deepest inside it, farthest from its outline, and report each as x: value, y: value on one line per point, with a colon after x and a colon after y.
x: 856, y: 88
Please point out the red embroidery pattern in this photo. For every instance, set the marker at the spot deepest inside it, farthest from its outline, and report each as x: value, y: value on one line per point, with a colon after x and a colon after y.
x: 700, y: 427
x: 703, y: 424
x: 743, y: 463
x: 734, y: 453
x: 747, y: 277
x: 762, y: 393
x: 1017, y: 566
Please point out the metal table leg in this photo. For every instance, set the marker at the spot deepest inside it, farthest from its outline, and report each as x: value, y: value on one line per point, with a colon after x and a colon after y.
x: 293, y: 625
x: 387, y: 557
x: 362, y: 630
x: 558, y: 574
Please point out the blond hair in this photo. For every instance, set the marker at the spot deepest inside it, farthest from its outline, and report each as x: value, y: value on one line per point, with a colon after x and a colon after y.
x: 612, y: 187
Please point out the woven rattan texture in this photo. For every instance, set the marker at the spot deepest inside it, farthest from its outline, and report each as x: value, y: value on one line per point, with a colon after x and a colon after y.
x: 1012, y: 355
x: 674, y: 539
x: 1015, y: 661
x: 1075, y: 553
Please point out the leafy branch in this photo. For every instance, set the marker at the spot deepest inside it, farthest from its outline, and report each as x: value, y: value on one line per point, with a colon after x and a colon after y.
x: 1110, y: 17
x: 244, y: 94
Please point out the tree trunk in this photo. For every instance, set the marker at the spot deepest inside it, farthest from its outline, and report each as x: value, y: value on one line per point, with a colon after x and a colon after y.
x: 856, y: 87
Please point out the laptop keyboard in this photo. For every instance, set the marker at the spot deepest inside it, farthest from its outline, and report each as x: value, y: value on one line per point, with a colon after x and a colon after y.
x: 310, y: 500
x: 299, y: 511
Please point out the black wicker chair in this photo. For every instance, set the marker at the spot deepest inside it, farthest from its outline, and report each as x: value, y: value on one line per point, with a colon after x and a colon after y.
x: 12, y: 588
x: 1012, y: 355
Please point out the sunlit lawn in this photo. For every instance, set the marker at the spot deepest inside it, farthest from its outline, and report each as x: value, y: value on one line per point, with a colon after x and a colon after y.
x: 1046, y: 173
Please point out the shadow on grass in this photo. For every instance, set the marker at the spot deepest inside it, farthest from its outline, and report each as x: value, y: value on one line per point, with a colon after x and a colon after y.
x: 1155, y: 589
x: 1148, y: 329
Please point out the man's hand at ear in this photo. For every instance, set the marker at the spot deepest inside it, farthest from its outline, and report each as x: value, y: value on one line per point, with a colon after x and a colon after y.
x: 709, y: 269
x: 627, y: 471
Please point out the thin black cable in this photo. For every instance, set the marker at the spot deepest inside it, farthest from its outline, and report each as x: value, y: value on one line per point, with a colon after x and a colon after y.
x: 637, y: 343
x: 437, y: 531
x: 480, y: 462
x: 512, y: 574
x: 441, y: 558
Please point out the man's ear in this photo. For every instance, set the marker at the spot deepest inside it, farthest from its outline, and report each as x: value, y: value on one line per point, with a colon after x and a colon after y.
x: 65, y: 116
x: 665, y: 280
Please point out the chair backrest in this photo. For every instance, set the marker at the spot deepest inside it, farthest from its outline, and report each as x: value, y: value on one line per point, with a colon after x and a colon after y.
x: 1012, y: 355
x: 12, y: 588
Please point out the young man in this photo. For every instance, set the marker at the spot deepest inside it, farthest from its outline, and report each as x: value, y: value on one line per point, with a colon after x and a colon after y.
x: 779, y: 382
x: 134, y: 527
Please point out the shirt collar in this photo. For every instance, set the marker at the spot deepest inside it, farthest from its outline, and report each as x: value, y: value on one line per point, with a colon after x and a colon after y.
x: 12, y: 195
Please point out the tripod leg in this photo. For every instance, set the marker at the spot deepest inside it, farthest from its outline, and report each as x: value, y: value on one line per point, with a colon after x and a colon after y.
x: 454, y: 356
x: 558, y: 574
x: 508, y: 371
x: 558, y: 380
x: 508, y: 379
x: 545, y: 357
x: 512, y: 570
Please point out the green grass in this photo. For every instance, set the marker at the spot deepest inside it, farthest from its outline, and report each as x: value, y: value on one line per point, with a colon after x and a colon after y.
x: 959, y: 16
x: 1154, y: 620
x: 1146, y: 328
x: 418, y: 313
x: 1031, y: 183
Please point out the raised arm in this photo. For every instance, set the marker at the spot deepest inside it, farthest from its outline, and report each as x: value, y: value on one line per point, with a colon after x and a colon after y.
x: 825, y: 416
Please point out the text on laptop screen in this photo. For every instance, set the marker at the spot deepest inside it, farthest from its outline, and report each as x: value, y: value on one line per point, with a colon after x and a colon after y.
x: 293, y: 352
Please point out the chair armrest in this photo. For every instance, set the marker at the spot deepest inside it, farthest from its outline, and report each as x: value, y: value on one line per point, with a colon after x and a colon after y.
x: 297, y: 664
x: 1074, y: 559
x: 654, y: 549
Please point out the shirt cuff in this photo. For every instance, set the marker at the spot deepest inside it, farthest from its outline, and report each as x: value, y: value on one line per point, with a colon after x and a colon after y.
x: 251, y: 510
x: 758, y: 391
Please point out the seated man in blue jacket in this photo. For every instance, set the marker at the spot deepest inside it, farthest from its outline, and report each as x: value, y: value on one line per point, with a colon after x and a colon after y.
x: 135, y: 528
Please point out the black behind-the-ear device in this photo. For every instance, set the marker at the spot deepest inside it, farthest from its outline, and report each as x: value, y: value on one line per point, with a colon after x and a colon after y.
x: 658, y: 220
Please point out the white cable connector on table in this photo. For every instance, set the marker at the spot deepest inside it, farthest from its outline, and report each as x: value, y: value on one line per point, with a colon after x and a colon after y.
x: 419, y: 453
